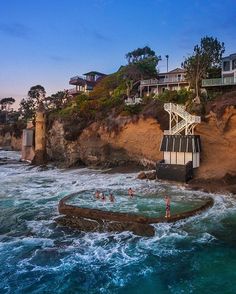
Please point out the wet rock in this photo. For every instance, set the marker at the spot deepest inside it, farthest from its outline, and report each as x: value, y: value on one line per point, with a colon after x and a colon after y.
x: 151, y: 175
x: 142, y: 176
x: 89, y: 225
x: 147, y: 175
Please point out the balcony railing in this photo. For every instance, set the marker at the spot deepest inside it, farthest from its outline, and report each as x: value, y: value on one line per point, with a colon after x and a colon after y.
x: 153, y: 82
x: 227, y: 81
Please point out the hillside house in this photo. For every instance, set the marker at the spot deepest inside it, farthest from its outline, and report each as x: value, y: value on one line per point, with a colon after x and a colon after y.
x: 85, y: 83
x: 172, y: 80
x: 228, y: 74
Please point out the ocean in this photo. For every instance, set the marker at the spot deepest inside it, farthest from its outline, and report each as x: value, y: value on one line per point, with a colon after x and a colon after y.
x: 195, y: 255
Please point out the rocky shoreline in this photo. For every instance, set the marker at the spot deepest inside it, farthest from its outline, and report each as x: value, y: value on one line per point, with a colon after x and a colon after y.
x: 225, y: 185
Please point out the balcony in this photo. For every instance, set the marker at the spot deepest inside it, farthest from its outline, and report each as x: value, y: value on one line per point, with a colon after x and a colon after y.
x: 76, y: 80
x: 162, y: 81
x: 227, y: 81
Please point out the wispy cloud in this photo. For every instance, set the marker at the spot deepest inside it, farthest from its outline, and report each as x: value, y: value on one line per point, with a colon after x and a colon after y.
x: 16, y: 30
x: 57, y: 58
x: 94, y: 34
x: 99, y: 36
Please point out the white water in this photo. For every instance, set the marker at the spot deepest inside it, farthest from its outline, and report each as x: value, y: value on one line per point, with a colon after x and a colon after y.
x: 37, y: 256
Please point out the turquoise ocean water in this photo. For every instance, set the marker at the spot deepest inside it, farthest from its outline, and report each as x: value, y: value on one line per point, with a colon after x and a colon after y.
x: 197, y: 255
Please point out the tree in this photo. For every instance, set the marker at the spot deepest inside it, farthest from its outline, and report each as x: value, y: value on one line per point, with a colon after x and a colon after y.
x: 6, y: 103
x: 142, y: 63
x: 205, y: 60
x: 57, y: 100
x: 37, y: 93
x: 29, y: 105
x: 140, y: 54
x: 27, y: 108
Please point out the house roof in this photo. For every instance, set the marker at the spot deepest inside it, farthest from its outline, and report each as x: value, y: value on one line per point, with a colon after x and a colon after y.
x: 231, y: 56
x: 173, y: 71
x: 94, y: 73
x: 180, y: 143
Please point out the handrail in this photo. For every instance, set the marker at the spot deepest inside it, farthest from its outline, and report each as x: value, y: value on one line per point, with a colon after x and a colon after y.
x: 162, y: 81
x: 187, y: 118
x: 180, y: 110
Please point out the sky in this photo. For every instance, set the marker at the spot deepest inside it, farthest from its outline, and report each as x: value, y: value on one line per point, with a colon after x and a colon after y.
x: 48, y: 41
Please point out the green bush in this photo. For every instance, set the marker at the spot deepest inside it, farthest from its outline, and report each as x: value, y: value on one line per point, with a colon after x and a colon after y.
x: 180, y: 97
x: 133, y: 109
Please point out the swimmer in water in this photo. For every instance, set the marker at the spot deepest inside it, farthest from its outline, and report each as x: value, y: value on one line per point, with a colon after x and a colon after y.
x: 112, y: 197
x: 97, y: 194
x: 131, y: 192
x: 103, y: 197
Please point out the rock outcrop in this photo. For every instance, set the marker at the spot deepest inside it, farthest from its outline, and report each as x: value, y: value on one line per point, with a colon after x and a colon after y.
x: 98, y: 146
x: 139, y: 142
x: 10, y: 142
x: 218, y: 139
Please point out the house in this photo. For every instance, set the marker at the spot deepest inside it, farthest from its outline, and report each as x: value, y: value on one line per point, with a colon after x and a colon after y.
x: 228, y: 74
x: 172, y: 80
x: 85, y: 83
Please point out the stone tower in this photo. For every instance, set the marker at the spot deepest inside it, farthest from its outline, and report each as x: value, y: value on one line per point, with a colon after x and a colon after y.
x: 40, y: 136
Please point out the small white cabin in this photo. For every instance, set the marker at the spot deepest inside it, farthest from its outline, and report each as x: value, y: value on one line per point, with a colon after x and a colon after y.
x: 180, y: 149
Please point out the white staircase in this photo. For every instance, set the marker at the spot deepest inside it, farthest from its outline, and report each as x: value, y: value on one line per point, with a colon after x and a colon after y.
x: 180, y: 120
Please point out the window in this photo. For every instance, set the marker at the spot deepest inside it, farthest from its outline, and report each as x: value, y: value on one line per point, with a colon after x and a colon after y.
x: 226, y: 65
x: 234, y: 64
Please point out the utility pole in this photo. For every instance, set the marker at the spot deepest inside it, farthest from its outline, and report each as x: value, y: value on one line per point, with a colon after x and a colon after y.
x: 167, y: 62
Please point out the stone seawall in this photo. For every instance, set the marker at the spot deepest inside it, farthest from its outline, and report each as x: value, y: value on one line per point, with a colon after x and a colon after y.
x: 98, y: 220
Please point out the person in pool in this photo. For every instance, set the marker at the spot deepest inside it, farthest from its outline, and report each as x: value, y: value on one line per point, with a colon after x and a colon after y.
x: 112, y: 197
x: 97, y: 194
x: 167, y: 199
x: 103, y: 197
x: 131, y: 192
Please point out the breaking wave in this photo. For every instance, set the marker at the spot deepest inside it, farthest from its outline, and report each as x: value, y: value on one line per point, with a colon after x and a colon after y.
x: 38, y: 256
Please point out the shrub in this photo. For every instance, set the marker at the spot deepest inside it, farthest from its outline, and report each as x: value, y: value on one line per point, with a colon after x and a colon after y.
x: 180, y: 97
x: 133, y: 109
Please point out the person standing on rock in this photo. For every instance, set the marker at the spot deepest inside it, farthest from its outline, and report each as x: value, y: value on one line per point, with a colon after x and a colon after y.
x: 167, y: 199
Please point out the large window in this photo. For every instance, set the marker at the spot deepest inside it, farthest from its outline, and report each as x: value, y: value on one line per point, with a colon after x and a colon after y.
x: 234, y: 64
x: 226, y: 65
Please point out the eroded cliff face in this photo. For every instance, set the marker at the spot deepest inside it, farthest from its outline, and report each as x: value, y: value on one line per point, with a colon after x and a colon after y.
x: 218, y: 138
x: 139, y: 142
x: 9, y: 141
x: 136, y: 142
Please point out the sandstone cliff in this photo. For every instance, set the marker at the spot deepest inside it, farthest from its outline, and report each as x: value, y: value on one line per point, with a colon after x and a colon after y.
x: 218, y: 138
x: 139, y: 141
x: 11, y: 142
x: 98, y: 146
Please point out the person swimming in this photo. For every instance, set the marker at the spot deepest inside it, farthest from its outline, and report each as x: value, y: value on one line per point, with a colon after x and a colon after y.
x: 131, y: 192
x: 97, y: 194
x: 103, y: 197
x: 112, y: 197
